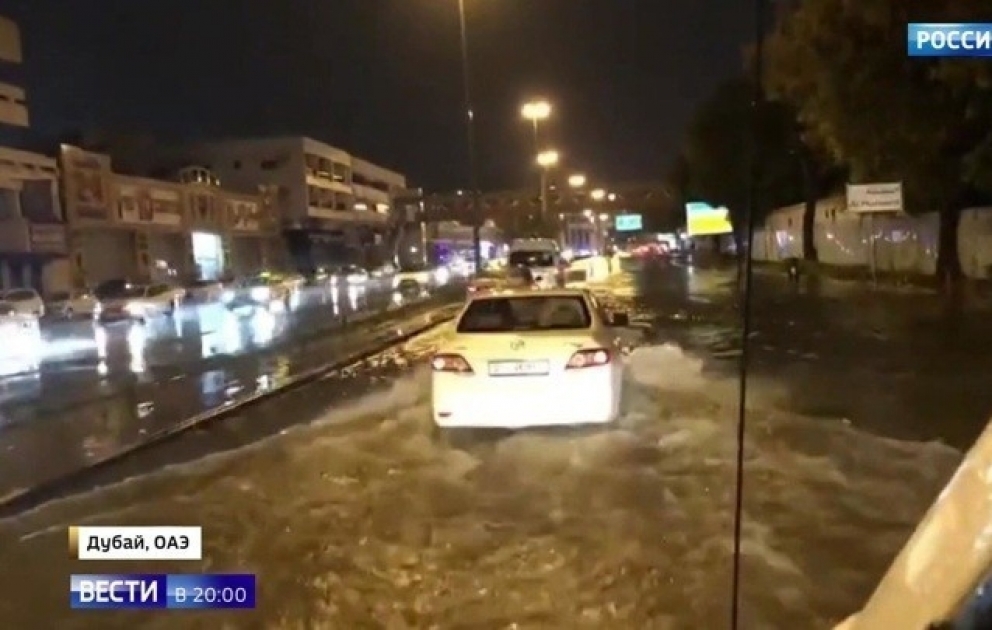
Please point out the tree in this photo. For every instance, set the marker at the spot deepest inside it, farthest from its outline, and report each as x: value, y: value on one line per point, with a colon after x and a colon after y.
x: 715, y: 165
x: 888, y: 117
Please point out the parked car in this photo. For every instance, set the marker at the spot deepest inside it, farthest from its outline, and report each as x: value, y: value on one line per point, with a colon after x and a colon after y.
x: 140, y: 303
x: 21, y: 334
x: 24, y: 301
x: 75, y: 303
x: 205, y: 291
x: 263, y: 290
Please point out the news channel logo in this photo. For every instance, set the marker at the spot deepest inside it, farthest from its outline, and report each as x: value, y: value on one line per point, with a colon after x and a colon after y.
x: 158, y: 591
x: 949, y: 40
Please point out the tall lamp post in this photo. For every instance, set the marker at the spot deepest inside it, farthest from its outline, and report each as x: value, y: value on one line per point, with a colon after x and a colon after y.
x: 536, y: 111
x: 546, y: 160
x: 473, y: 174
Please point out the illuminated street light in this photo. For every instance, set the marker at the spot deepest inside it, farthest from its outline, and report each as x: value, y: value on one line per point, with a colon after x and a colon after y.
x: 547, y: 159
x: 611, y: 197
x: 537, y: 110
x: 598, y: 194
x: 587, y: 213
x: 577, y: 181
x: 604, y: 217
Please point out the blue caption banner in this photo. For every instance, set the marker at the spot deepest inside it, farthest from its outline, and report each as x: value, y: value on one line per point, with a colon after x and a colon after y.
x: 949, y: 40
x: 190, y: 591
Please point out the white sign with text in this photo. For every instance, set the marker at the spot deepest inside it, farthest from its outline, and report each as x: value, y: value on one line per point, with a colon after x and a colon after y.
x: 874, y: 198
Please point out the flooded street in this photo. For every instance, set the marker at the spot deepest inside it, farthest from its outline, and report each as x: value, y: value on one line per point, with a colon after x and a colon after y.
x: 354, y: 516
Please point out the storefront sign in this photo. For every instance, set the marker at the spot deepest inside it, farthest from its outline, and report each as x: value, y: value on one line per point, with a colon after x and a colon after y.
x: 243, y: 216
x: 166, y: 207
x: 86, y: 195
x: 48, y: 239
x: 137, y: 204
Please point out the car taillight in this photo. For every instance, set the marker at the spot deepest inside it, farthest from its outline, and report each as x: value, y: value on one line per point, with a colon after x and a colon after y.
x: 588, y: 358
x: 454, y: 363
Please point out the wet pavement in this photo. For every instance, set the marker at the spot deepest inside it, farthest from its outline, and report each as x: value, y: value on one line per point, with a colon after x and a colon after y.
x: 80, y: 359
x: 353, y: 516
x: 48, y: 442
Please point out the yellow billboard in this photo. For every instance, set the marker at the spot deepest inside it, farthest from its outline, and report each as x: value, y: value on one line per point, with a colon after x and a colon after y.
x: 702, y: 219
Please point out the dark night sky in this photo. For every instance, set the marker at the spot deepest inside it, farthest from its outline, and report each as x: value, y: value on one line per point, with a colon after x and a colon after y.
x: 381, y: 78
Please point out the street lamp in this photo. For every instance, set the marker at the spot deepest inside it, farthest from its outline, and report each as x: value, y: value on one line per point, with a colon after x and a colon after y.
x: 470, y: 137
x: 546, y: 160
x: 535, y: 111
x: 577, y: 181
x: 598, y: 195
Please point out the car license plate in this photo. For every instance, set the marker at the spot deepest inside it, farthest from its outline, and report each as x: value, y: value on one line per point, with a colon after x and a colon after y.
x: 518, y: 368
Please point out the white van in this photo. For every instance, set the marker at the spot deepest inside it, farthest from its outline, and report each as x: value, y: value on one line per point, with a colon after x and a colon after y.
x: 541, y: 256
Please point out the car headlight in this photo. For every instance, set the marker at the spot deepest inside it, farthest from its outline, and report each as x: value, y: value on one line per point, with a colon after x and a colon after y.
x: 134, y: 308
x: 396, y: 282
x: 227, y: 296
x: 261, y: 293
x: 97, y: 308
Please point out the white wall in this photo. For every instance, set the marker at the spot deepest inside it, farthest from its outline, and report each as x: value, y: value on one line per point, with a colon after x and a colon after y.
x: 902, y: 244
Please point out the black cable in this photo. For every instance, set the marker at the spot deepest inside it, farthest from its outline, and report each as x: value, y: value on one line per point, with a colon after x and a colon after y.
x: 752, y: 212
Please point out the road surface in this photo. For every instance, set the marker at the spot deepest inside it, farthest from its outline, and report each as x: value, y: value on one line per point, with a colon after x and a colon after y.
x: 356, y: 518
x: 49, y: 442
x: 80, y: 359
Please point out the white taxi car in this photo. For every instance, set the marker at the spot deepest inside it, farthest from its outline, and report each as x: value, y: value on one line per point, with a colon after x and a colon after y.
x: 25, y: 301
x: 141, y: 303
x: 520, y: 358
x: 75, y: 303
x: 21, y: 334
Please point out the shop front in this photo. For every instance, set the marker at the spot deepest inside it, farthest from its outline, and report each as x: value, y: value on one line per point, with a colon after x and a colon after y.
x: 246, y: 237
x: 154, y: 211
x: 312, y: 248
x: 247, y: 254
x: 208, y: 255
x: 104, y: 254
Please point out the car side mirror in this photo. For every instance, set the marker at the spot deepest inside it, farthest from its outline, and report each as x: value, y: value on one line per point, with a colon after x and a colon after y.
x: 619, y: 320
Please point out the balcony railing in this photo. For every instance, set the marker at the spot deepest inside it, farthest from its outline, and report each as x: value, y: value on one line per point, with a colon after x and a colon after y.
x: 327, y: 183
x: 370, y: 194
x: 348, y: 216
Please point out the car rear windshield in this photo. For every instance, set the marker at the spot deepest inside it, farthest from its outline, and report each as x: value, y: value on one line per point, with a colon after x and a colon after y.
x: 20, y: 295
x: 525, y: 313
x: 532, y: 259
x: 133, y: 291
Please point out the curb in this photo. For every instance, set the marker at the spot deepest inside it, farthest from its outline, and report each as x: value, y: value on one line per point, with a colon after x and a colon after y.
x: 32, y: 497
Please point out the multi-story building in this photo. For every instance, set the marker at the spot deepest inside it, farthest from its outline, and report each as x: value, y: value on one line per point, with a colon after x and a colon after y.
x: 333, y: 207
x: 123, y: 226
x: 32, y: 232
x: 511, y: 208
